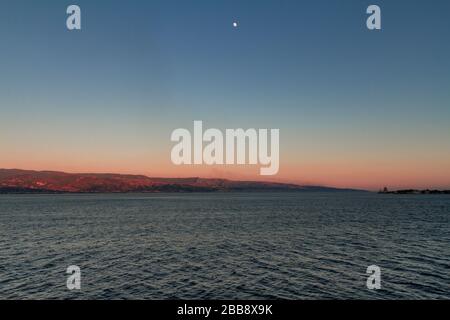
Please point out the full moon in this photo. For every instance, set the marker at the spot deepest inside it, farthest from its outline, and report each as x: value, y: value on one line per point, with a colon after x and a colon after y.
x: 235, y: 24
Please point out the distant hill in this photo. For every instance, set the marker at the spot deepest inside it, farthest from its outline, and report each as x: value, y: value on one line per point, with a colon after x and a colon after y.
x: 414, y: 191
x: 26, y: 181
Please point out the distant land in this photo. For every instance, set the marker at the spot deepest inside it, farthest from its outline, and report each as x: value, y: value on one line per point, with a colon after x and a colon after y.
x: 414, y: 191
x: 27, y: 181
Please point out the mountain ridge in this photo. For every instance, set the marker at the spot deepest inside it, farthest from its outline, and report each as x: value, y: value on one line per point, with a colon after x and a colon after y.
x: 30, y: 181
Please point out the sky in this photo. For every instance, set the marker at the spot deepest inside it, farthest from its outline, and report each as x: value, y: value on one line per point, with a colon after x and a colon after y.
x: 355, y: 108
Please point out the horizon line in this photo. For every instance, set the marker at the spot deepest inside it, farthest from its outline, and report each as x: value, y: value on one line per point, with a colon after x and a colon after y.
x: 215, y: 178
x: 191, y: 177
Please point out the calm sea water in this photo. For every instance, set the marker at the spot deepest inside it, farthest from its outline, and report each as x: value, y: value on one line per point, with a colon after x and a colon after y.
x: 225, y: 246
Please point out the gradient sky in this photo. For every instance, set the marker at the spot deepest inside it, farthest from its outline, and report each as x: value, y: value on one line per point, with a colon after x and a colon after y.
x: 355, y: 108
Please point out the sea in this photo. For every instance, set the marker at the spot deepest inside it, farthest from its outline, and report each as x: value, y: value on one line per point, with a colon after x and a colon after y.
x: 284, y: 245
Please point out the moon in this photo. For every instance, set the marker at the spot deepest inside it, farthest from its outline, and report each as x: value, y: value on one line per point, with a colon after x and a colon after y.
x: 235, y: 24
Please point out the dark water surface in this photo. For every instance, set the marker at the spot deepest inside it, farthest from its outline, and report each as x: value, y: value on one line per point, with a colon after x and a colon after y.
x: 225, y: 245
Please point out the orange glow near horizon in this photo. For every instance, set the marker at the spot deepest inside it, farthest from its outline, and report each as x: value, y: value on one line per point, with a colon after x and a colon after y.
x: 327, y: 173
x: 335, y: 161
